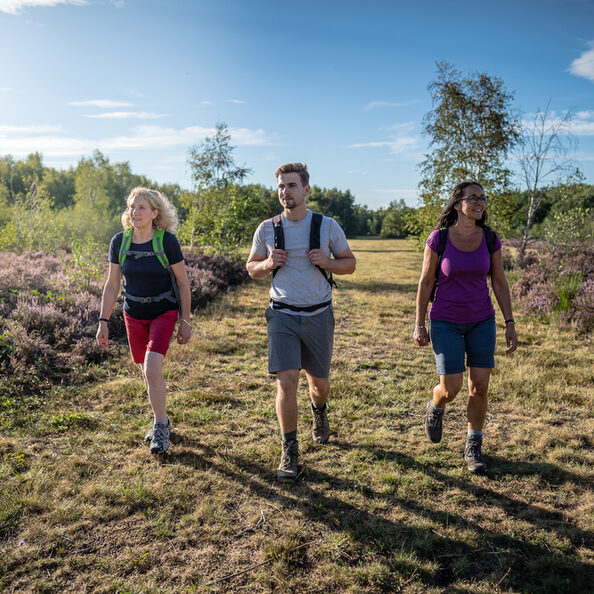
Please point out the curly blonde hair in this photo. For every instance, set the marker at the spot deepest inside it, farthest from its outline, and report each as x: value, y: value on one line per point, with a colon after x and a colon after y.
x: 167, y: 217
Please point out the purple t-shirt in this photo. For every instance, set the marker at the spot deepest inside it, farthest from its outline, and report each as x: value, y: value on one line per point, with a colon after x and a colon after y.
x: 462, y: 294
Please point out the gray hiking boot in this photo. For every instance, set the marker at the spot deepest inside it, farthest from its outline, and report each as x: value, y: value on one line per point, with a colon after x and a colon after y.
x: 149, y: 435
x: 160, y: 440
x: 287, y: 470
x: 320, y: 428
x: 472, y: 454
x: 433, y: 423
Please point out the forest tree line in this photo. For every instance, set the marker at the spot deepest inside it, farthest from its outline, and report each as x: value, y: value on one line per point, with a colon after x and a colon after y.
x: 43, y: 208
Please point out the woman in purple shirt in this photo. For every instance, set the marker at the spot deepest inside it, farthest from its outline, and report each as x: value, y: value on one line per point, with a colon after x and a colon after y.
x: 462, y: 315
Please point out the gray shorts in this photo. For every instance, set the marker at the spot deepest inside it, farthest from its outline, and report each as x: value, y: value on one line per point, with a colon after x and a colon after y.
x: 300, y: 342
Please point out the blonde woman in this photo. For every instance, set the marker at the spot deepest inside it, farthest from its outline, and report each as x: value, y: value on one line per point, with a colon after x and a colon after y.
x: 156, y: 292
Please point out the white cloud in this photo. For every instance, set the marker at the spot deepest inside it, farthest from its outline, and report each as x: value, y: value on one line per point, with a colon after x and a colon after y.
x: 584, y: 65
x: 101, y: 103
x: 237, y: 101
x: 124, y: 115
x: 7, y: 130
x: 16, y: 6
x: 207, y: 103
x: 397, y: 144
x: 378, y: 104
x: 52, y: 141
x: 6, y: 90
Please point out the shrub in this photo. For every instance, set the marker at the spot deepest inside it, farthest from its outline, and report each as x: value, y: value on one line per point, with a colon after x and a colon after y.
x: 49, y: 305
x: 560, y: 282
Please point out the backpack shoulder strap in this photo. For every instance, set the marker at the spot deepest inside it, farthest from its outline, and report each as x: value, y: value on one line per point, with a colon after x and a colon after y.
x: 314, y: 243
x: 442, y: 239
x: 279, y: 234
x: 490, y: 236
x: 125, y: 245
x: 159, y: 249
x: 314, y: 232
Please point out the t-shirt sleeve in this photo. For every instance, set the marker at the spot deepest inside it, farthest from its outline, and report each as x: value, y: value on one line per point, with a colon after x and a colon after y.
x: 433, y: 240
x: 172, y: 248
x: 259, y: 242
x: 338, y: 240
x: 114, y: 248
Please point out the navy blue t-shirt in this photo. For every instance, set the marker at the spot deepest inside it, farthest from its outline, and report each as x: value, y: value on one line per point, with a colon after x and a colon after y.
x: 146, y: 277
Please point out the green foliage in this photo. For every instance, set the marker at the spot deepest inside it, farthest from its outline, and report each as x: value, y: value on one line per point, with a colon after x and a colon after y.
x: 471, y: 129
x: 43, y: 208
x: 566, y: 288
x: 86, y: 266
x: 339, y: 205
x: 395, y: 221
x: 212, y: 207
x: 563, y: 230
x: 223, y: 220
x: 212, y: 162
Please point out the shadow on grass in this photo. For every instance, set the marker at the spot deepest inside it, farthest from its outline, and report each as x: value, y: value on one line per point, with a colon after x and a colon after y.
x: 378, y: 286
x: 360, y: 251
x: 528, y: 565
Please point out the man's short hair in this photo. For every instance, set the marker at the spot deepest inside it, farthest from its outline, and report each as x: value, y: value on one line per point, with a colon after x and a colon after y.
x: 300, y: 168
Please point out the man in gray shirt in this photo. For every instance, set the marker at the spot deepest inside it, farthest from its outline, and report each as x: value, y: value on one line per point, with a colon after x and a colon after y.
x: 300, y: 317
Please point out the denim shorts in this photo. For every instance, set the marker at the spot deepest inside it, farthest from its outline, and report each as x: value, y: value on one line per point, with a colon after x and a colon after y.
x: 300, y: 342
x: 452, y: 341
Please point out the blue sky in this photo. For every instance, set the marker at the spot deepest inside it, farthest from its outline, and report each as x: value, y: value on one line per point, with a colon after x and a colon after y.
x: 339, y: 85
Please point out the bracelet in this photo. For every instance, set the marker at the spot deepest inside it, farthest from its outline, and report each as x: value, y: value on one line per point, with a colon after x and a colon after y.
x: 423, y: 327
x: 510, y: 321
x: 186, y: 321
x: 103, y: 320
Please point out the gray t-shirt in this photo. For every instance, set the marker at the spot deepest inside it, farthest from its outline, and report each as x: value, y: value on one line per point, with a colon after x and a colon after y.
x: 298, y: 282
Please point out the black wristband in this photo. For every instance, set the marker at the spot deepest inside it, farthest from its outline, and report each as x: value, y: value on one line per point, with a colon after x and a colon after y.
x: 103, y: 320
x: 510, y: 321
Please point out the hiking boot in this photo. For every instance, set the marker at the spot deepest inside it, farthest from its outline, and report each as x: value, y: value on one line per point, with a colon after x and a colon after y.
x: 287, y: 470
x: 433, y: 423
x: 472, y: 454
x: 320, y: 428
x: 160, y: 440
x: 149, y: 436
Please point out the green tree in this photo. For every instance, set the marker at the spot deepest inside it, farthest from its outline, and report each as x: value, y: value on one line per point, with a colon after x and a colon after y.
x: 471, y: 129
x: 340, y: 205
x: 215, y: 176
x: 395, y: 222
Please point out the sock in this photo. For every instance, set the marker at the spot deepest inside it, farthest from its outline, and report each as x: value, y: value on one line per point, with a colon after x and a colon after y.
x: 163, y: 421
x: 439, y: 408
x: 477, y: 432
x: 318, y: 407
x: 290, y: 436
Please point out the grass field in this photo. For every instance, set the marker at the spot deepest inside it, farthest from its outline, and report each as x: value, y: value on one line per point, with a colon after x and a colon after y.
x: 85, y: 508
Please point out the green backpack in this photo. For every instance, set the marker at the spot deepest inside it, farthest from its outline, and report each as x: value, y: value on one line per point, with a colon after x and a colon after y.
x: 158, y: 251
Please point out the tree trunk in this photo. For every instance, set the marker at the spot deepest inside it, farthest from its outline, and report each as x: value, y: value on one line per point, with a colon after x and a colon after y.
x: 531, y: 211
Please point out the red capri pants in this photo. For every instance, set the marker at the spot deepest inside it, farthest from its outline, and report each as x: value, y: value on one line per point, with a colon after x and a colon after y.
x: 150, y: 335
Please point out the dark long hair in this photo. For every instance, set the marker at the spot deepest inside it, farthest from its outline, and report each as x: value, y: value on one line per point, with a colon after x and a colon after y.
x: 449, y: 214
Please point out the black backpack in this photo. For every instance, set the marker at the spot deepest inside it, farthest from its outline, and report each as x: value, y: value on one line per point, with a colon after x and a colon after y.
x: 314, y: 240
x: 490, y: 236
